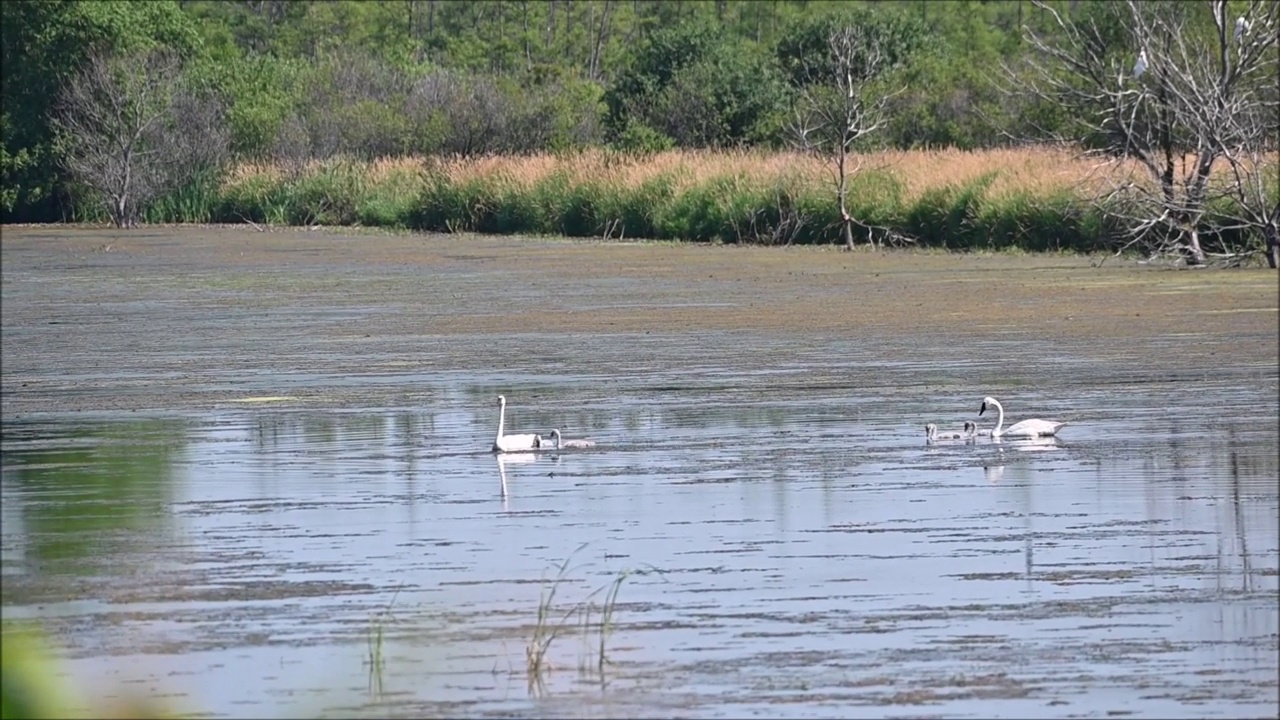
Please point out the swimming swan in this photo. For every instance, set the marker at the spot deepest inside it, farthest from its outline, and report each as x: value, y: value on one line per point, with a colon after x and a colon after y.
x: 1026, y: 428
x: 555, y: 434
x: 931, y: 434
x: 971, y: 428
x: 513, y: 443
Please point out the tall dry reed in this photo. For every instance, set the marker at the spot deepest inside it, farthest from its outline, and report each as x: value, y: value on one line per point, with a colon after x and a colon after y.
x: 1028, y: 198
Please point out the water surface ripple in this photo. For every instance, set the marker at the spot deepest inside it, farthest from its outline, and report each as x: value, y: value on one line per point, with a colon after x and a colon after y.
x: 797, y: 549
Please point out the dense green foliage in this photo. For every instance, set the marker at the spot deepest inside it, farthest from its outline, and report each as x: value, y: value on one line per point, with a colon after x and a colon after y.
x: 43, y: 44
x: 310, y: 80
x: 301, y: 82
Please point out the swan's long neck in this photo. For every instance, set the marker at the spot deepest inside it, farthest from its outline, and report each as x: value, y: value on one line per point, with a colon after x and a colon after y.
x: 999, y: 419
x: 557, y: 437
x: 502, y: 415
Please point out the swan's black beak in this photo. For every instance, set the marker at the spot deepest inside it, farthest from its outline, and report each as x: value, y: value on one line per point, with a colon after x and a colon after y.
x: 982, y: 409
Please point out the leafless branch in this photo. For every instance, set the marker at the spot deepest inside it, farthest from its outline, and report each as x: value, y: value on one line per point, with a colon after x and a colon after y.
x: 841, y: 103
x: 132, y: 131
x: 1167, y: 92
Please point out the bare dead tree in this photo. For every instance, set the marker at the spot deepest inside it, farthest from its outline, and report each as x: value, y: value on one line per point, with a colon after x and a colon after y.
x: 1165, y: 92
x: 1254, y: 184
x: 593, y: 63
x: 839, y: 104
x: 349, y: 108
x: 1250, y: 141
x: 132, y: 131
x: 476, y: 114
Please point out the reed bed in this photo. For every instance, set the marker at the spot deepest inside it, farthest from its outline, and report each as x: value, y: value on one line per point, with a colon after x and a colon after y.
x: 1028, y: 199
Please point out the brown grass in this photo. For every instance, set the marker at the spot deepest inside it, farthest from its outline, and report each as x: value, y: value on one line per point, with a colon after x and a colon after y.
x: 1038, y: 172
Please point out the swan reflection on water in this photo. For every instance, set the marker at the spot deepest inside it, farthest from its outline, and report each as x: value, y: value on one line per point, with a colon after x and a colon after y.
x: 541, y: 448
x: 511, y: 458
x: 995, y: 473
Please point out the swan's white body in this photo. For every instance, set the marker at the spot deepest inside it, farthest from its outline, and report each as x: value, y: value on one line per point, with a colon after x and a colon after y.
x: 562, y: 444
x: 1030, y: 444
x: 1025, y: 429
x: 513, y: 443
x: 932, y: 435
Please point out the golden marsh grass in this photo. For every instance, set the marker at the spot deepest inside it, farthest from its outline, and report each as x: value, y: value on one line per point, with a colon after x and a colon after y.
x: 1025, y: 198
x: 1039, y: 171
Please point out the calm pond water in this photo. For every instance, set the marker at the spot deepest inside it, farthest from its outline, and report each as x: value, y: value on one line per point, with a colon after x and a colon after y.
x: 786, y: 548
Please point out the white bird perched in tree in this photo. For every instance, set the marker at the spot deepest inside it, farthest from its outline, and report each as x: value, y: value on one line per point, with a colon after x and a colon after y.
x: 1242, y: 27
x: 1140, y: 66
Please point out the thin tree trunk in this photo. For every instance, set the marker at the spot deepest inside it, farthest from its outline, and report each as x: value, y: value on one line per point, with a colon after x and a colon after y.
x: 595, y: 51
x: 550, y: 37
x: 528, y: 55
x: 1272, y: 235
x: 567, y: 23
x: 591, y: 32
x: 842, y: 192
x: 1195, y: 255
x: 1191, y: 242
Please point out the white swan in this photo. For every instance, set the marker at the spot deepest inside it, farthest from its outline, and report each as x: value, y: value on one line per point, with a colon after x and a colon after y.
x: 1026, y: 428
x: 560, y: 444
x: 513, y: 443
x: 931, y: 434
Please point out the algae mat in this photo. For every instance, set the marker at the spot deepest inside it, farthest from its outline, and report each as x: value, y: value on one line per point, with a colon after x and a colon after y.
x: 186, y: 318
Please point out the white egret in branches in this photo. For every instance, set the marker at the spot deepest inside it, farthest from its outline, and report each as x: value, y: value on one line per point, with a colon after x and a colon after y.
x: 1242, y: 27
x: 1140, y: 66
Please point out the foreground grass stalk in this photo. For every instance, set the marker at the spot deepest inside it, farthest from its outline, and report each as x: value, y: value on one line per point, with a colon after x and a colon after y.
x: 551, y: 623
x: 546, y: 629
x: 374, y: 641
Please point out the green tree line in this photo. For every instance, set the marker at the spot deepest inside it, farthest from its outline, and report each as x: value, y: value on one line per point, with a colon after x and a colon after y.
x: 296, y: 80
